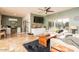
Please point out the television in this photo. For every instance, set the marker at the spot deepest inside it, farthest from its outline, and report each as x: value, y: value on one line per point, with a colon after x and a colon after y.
x: 38, y: 19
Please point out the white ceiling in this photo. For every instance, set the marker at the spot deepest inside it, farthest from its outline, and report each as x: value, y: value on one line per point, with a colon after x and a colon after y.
x: 23, y: 11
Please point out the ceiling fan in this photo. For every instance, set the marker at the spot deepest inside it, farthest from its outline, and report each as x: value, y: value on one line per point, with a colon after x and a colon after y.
x: 46, y: 9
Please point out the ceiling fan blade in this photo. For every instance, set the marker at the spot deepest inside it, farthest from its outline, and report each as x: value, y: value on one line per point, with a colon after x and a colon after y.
x: 50, y: 11
x: 48, y: 8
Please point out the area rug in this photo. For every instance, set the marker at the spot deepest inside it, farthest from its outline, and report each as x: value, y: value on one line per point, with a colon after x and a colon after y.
x: 36, y: 47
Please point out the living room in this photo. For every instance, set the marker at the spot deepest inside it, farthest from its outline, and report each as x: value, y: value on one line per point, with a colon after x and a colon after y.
x: 22, y: 27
